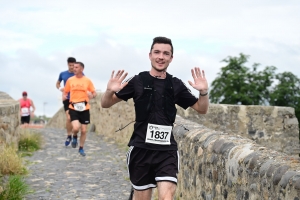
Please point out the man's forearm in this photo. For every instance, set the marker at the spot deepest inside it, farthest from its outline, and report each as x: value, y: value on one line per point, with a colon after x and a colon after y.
x: 203, y: 103
x: 107, y: 99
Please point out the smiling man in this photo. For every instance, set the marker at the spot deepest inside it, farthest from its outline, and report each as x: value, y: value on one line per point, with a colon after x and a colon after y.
x: 152, y: 158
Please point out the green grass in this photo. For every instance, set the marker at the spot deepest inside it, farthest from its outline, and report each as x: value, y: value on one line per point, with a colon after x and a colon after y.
x: 11, y: 162
x: 14, y: 189
x: 29, y: 142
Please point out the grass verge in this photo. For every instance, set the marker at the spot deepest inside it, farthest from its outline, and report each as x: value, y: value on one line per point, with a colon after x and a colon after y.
x: 14, y: 188
x: 30, y: 141
x: 10, y: 161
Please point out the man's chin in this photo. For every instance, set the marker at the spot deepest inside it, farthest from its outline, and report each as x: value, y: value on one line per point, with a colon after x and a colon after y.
x: 160, y: 69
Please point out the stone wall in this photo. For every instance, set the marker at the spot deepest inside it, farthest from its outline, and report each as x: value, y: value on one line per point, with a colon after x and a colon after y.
x: 217, y: 165
x: 269, y: 126
x: 216, y: 162
x: 9, y: 119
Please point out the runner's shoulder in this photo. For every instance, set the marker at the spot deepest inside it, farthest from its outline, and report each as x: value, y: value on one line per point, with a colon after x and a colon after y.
x: 131, y: 79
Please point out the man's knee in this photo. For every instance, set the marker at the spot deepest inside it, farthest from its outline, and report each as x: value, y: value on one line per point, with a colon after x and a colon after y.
x: 166, y: 190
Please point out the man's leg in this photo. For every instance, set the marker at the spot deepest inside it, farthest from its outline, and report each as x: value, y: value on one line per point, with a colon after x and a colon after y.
x: 69, y: 129
x: 83, y: 134
x: 68, y: 123
x: 142, y: 194
x: 166, y: 190
x: 75, y: 130
x: 82, y: 139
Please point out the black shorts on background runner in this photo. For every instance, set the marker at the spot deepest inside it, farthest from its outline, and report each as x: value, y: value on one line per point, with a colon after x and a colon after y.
x: 25, y: 119
x: 147, y: 167
x: 83, y: 117
x: 66, y: 104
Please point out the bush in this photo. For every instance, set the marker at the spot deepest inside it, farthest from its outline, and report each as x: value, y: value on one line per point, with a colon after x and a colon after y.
x: 10, y: 161
x: 14, y: 189
x: 30, y: 141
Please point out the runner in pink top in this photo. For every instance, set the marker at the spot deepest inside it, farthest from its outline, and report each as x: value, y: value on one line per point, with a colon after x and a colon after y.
x: 25, y: 104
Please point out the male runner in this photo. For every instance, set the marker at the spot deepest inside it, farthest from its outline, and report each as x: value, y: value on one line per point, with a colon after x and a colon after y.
x: 81, y: 89
x: 25, y: 112
x: 152, y: 158
x: 64, y: 76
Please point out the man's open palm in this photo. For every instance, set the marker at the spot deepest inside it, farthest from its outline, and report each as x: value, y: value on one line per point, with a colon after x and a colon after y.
x: 200, y: 82
x: 115, y: 82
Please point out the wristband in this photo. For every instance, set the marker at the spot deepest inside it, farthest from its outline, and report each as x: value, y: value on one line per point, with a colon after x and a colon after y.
x: 203, y: 94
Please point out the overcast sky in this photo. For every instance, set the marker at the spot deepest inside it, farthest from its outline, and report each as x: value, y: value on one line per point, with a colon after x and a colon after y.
x: 36, y: 37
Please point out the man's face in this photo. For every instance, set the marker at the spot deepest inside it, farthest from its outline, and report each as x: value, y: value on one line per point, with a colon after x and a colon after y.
x: 71, y: 66
x: 77, y: 69
x: 160, y: 56
x: 25, y: 97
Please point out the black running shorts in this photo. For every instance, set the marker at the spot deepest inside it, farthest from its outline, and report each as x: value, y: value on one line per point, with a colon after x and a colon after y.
x: 83, y: 117
x: 147, y: 167
x: 25, y: 119
x: 66, y: 104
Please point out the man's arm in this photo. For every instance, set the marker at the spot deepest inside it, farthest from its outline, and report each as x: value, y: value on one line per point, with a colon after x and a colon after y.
x: 114, y: 85
x: 200, y: 84
x: 58, y: 85
x: 109, y: 98
x: 201, y: 106
x: 66, y: 90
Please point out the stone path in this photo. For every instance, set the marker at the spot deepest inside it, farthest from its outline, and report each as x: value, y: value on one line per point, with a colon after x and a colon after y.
x: 59, y: 172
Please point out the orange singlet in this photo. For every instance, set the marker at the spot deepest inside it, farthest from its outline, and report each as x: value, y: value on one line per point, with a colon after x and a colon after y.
x: 78, y: 88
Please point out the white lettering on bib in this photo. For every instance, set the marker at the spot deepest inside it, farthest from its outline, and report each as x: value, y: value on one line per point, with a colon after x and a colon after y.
x: 25, y: 111
x: 158, y: 134
x: 79, y: 106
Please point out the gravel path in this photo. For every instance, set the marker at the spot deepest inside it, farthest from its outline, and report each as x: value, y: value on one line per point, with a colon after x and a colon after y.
x: 59, y: 172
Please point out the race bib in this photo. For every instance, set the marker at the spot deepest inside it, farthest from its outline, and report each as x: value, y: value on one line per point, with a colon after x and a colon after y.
x: 158, y: 134
x: 79, y: 106
x: 25, y: 111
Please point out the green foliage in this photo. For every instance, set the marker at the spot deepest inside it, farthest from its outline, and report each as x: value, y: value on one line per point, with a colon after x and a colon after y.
x: 238, y: 84
x: 286, y: 92
x: 14, y: 189
x: 30, y: 141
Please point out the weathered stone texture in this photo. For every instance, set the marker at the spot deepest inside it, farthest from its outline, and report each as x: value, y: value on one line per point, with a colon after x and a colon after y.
x: 9, y: 119
x: 218, y: 165
x: 269, y: 126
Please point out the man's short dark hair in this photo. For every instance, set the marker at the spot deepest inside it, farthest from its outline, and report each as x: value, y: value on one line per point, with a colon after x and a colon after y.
x: 80, y: 63
x: 162, y: 40
x: 71, y: 60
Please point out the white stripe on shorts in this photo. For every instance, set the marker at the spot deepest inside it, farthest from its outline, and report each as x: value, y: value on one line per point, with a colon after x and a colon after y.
x: 128, y: 158
x: 144, y: 187
x: 166, y: 178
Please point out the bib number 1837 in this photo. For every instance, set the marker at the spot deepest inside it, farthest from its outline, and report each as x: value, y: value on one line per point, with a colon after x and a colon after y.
x: 158, y: 134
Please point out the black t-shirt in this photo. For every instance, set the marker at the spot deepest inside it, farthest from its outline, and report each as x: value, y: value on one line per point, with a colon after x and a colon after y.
x: 183, y: 97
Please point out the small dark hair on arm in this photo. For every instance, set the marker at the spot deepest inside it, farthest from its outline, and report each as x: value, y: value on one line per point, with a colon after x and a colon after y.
x: 80, y: 63
x: 71, y: 60
x: 162, y: 40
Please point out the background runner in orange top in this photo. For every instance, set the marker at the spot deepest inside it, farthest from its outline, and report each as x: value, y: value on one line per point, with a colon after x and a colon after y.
x: 81, y: 90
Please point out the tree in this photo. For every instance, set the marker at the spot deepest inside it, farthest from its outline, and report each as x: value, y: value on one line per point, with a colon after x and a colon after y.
x: 286, y: 92
x: 238, y: 84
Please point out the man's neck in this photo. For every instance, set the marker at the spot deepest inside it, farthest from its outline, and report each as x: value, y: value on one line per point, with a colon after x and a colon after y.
x: 79, y: 75
x: 157, y: 74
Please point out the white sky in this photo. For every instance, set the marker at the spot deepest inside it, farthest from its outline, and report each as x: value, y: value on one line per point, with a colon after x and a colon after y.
x: 36, y: 37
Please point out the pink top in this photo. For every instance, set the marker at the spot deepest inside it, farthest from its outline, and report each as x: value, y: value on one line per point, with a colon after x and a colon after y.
x: 25, y: 106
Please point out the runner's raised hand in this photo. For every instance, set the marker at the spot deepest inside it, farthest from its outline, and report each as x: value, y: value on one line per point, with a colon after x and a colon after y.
x: 200, y: 82
x: 115, y: 82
